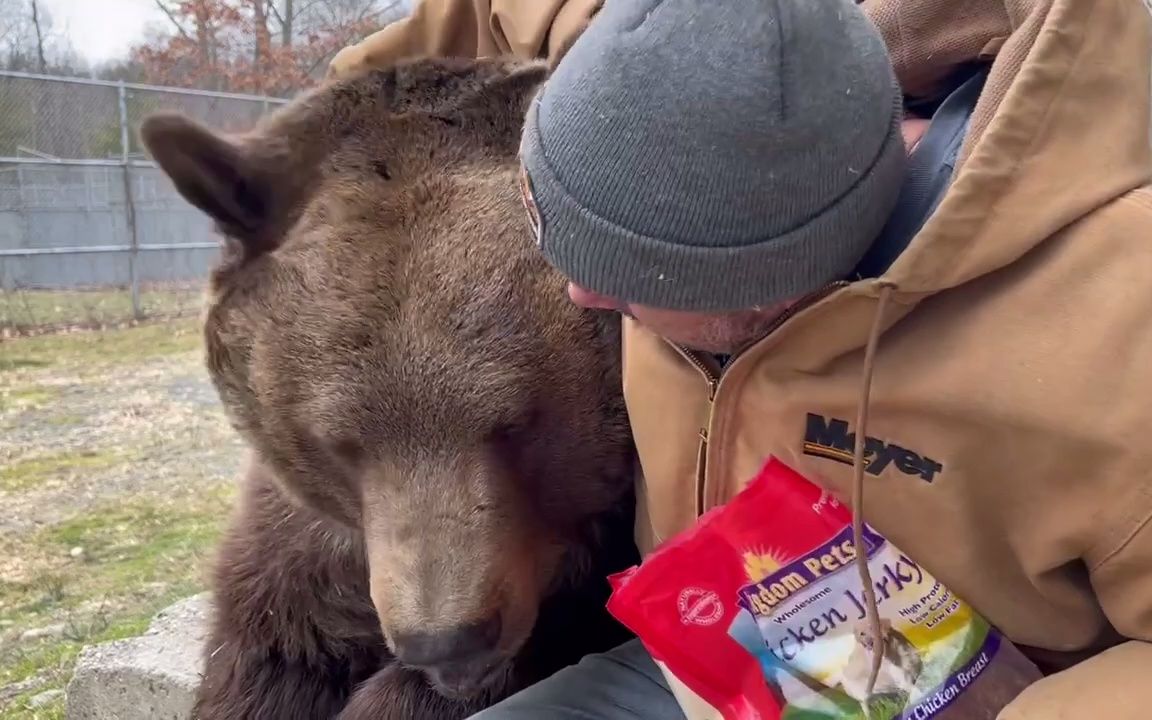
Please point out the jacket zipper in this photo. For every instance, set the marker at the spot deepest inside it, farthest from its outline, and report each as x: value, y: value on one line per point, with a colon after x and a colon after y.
x: 712, y: 375
x: 802, y: 304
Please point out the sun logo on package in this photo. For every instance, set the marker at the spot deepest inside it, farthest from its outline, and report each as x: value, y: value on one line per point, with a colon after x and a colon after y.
x: 700, y: 607
x: 529, y: 201
x: 759, y: 563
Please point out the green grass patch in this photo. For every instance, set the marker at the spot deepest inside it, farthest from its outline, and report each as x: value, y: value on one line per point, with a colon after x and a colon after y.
x: 53, y: 660
x: 27, y: 473
x: 92, y: 308
x: 84, y: 349
x: 26, y: 397
x: 64, y: 420
x: 19, y: 709
x: 127, y: 546
x: 137, y: 558
x: 51, y: 711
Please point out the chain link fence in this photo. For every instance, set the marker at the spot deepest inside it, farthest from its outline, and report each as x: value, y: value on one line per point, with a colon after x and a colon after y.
x: 91, y: 233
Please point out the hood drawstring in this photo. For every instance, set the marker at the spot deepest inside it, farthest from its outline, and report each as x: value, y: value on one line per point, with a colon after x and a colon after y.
x: 861, y: 560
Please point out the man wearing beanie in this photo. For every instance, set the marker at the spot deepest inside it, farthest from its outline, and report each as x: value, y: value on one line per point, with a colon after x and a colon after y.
x: 750, y: 185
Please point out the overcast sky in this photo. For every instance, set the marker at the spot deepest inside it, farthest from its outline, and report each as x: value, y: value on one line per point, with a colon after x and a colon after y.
x: 102, y: 29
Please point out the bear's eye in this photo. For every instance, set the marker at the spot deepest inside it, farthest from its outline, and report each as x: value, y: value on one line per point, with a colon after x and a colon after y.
x: 515, y: 428
x: 506, y: 433
x: 347, y: 450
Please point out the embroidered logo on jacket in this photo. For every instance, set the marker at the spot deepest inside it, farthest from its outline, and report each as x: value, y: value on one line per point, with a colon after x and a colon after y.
x: 830, y: 439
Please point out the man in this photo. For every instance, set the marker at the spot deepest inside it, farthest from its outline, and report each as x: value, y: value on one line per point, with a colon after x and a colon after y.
x: 705, y: 169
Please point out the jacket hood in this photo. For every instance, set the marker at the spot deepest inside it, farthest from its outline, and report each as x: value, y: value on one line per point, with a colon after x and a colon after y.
x: 1061, y: 128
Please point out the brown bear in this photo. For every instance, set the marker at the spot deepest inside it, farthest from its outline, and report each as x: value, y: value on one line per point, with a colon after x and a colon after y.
x: 442, y: 472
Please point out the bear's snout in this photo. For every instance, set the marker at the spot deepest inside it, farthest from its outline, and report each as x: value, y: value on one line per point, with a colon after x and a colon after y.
x: 461, y: 661
x: 462, y: 644
x: 457, y: 568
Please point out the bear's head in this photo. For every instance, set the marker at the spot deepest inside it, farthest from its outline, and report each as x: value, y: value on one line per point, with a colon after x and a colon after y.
x: 384, y: 333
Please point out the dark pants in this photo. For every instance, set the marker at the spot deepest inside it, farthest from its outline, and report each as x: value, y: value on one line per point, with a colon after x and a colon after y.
x: 622, y: 684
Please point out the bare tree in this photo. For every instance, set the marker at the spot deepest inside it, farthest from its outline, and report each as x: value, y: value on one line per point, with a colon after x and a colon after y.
x: 287, y: 22
x: 168, y: 12
x: 259, y: 46
x: 9, y: 21
x: 30, y: 42
x: 298, y: 18
x: 262, y: 47
x: 41, y: 61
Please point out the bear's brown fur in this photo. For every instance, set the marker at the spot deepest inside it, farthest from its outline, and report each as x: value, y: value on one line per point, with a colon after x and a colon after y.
x: 442, y: 468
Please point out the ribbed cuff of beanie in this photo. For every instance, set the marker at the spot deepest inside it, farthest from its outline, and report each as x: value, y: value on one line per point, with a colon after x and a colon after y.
x: 612, y: 260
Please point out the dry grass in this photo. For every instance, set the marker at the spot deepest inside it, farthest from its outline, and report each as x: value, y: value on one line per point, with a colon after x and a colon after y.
x: 32, y: 312
x: 116, y: 469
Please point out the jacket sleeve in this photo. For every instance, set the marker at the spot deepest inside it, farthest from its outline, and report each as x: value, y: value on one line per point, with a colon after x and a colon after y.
x: 1114, y: 684
x: 527, y: 29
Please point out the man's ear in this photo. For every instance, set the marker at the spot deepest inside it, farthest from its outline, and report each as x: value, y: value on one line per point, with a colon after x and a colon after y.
x: 213, y: 173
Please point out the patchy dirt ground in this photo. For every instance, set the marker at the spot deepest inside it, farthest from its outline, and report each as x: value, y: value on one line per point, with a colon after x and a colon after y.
x: 116, y: 473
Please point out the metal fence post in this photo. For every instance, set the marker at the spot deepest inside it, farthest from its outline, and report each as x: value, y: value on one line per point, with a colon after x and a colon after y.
x: 129, y: 204
x: 59, y: 172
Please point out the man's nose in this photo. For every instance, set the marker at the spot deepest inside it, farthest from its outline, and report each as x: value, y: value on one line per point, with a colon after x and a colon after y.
x: 460, y: 644
x: 592, y: 300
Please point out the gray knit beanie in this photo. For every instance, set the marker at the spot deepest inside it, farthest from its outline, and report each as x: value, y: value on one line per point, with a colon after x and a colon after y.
x: 715, y: 155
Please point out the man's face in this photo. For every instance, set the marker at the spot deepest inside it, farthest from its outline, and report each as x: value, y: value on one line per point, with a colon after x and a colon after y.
x: 723, y: 333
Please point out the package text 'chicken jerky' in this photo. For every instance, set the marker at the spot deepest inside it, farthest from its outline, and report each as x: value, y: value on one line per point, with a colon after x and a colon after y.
x: 759, y: 610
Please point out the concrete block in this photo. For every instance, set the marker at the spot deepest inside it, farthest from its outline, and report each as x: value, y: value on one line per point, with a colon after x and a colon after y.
x: 154, y: 676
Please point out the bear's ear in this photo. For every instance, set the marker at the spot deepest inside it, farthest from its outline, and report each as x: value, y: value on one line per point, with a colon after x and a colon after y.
x: 526, y: 80
x: 502, y: 98
x: 520, y: 84
x: 213, y: 173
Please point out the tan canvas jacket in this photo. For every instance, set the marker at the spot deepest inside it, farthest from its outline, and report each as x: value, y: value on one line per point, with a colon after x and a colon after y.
x: 1012, y: 388
x: 472, y: 28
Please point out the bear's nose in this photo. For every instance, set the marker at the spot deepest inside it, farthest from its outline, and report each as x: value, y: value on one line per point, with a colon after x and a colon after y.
x: 460, y: 644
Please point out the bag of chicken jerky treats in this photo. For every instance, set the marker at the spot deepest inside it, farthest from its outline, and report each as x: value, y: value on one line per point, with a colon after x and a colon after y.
x: 758, y: 609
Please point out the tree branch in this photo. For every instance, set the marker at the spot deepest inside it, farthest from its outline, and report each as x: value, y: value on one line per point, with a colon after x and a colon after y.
x: 164, y: 8
x: 276, y: 12
x: 43, y: 63
x: 288, y: 26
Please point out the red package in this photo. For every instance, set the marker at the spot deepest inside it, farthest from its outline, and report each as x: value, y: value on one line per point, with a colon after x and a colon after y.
x: 759, y: 610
